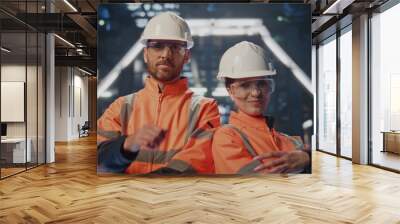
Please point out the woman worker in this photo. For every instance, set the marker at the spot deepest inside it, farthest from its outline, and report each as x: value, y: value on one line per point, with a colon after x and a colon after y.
x: 249, y: 144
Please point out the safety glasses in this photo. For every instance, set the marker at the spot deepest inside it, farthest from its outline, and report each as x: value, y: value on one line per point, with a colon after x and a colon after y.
x: 264, y: 85
x: 159, y: 46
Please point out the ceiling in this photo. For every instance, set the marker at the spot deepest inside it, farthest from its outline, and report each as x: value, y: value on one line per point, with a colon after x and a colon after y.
x: 76, y: 22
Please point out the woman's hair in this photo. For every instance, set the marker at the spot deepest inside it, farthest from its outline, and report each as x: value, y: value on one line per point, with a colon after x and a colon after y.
x: 228, y: 82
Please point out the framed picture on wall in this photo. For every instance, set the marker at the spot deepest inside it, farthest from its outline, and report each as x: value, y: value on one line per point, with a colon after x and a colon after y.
x: 200, y: 89
x: 12, y: 101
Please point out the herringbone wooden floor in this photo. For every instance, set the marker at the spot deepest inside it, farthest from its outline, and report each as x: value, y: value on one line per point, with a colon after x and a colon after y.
x: 69, y: 191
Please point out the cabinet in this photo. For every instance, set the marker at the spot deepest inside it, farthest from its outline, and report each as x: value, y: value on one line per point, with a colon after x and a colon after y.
x: 391, y: 142
x: 13, y: 150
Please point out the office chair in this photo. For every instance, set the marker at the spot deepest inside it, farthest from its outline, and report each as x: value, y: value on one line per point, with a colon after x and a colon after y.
x: 84, y: 130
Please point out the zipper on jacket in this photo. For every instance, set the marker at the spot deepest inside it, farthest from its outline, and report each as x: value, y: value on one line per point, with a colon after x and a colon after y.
x: 158, y: 112
x: 160, y: 98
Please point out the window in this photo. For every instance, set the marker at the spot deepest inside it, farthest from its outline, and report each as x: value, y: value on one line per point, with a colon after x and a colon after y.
x: 22, y: 76
x: 327, y: 95
x: 346, y: 92
x: 385, y: 88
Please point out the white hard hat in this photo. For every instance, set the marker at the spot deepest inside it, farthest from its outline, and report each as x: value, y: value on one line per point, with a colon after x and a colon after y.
x: 244, y: 60
x: 167, y: 26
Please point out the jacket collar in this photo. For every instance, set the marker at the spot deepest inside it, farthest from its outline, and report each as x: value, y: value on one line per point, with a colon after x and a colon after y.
x: 243, y: 120
x: 175, y: 88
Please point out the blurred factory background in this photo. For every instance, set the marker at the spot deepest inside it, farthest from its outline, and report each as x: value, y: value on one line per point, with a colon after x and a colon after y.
x: 283, y: 30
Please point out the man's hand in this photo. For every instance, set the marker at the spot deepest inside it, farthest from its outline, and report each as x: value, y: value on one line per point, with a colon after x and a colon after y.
x: 148, y: 137
x: 282, y: 162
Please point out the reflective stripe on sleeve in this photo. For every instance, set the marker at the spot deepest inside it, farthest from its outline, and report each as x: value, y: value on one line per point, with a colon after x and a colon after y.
x: 126, y: 111
x: 194, y: 111
x: 245, y: 140
x: 181, y: 166
x: 249, y: 168
x: 297, y: 143
x: 108, y: 134
x: 203, y: 134
x: 156, y: 156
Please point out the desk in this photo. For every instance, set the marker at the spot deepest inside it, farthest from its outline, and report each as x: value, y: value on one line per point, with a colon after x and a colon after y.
x: 391, y: 141
x: 13, y: 150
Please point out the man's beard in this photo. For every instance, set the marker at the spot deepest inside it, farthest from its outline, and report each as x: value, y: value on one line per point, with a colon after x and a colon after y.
x: 173, y: 74
x: 163, y: 78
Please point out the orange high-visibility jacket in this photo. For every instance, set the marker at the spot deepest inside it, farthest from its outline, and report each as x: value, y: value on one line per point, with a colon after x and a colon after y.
x: 236, y: 144
x: 188, y: 119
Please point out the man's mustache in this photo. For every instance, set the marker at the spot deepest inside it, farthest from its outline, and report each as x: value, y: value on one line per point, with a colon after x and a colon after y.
x: 166, y: 62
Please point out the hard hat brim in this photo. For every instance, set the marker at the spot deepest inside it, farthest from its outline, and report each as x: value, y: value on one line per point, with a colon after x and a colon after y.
x: 189, y: 44
x: 248, y: 74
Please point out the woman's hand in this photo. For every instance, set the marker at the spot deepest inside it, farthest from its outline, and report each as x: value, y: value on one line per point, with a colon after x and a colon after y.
x: 282, y: 162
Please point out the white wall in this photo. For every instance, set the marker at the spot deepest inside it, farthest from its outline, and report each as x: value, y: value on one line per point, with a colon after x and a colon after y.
x: 70, y: 84
x: 61, y: 103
